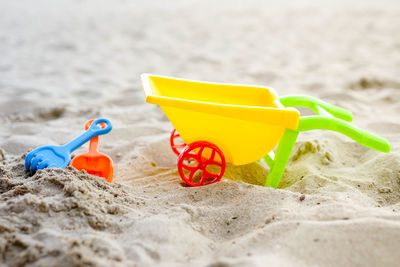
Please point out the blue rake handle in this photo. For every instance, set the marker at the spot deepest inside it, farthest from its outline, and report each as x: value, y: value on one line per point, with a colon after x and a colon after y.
x: 93, y: 131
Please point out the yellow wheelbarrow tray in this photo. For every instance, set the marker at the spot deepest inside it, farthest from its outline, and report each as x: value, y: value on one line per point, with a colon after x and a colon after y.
x: 241, y: 124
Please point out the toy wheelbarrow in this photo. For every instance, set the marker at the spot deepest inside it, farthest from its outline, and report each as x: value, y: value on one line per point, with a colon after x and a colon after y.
x: 222, y: 123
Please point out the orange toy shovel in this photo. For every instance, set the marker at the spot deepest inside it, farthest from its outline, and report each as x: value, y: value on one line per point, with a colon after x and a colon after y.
x: 93, y: 161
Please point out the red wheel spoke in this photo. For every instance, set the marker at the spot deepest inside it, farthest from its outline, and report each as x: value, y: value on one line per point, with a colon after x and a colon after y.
x: 200, y: 151
x: 213, y: 162
x: 195, y: 156
x: 206, y: 175
x: 203, y: 178
x: 179, y: 145
x: 191, y: 175
x: 210, y: 174
x: 190, y: 168
x: 212, y: 155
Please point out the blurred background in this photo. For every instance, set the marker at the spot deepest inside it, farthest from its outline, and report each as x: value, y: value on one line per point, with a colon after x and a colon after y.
x: 84, y: 57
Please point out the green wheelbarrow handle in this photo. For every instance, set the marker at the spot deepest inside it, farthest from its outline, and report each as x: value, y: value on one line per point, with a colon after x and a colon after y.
x: 318, y: 106
x: 329, y: 117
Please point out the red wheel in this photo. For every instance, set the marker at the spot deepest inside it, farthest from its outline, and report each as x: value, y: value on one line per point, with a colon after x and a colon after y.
x: 177, y: 144
x: 201, y: 163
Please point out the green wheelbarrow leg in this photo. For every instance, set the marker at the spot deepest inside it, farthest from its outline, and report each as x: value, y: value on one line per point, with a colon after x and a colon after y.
x: 282, y: 155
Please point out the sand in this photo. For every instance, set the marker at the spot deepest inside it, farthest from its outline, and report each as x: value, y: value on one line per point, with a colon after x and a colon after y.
x: 64, y: 62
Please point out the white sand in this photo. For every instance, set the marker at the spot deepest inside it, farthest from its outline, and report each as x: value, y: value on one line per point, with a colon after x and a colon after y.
x: 64, y: 62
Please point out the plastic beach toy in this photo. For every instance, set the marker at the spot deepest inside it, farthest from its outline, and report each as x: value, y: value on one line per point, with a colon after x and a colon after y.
x: 240, y: 124
x: 60, y: 156
x: 93, y: 162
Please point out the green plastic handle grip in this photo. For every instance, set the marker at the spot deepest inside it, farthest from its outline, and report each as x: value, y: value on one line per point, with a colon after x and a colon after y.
x: 314, y: 104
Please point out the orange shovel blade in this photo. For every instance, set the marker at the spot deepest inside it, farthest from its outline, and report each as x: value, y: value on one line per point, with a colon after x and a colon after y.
x: 95, y: 164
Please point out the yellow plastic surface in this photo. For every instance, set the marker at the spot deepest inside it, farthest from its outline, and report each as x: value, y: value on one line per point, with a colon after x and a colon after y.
x: 245, y: 122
